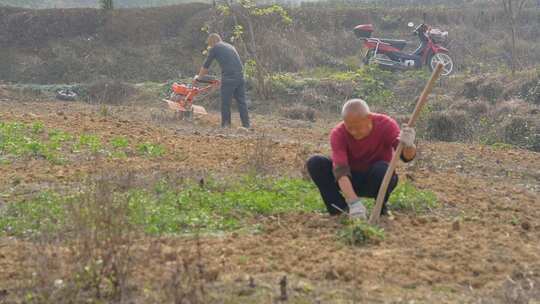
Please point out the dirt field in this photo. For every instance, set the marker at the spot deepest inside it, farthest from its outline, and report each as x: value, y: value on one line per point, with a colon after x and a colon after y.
x: 481, y: 246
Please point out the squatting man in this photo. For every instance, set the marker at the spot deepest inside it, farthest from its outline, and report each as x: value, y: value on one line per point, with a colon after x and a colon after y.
x: 362, y: 146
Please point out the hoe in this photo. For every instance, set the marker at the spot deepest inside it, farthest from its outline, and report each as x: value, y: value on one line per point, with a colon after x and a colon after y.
x: 374, y: 219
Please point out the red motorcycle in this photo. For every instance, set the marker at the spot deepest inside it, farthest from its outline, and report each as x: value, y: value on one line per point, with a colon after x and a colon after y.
x: 388, y: 53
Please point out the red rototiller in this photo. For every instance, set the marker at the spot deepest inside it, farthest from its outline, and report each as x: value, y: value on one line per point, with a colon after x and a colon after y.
x: 183, y: 95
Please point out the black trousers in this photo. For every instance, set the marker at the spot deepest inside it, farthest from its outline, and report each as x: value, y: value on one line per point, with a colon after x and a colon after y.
x: 233, y: 88
x: 365, y: 184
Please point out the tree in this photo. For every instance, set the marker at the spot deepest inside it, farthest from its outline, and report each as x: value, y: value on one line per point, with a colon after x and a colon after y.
x: 244, y: 14
x: 106, y: 4
x: 512, y: 10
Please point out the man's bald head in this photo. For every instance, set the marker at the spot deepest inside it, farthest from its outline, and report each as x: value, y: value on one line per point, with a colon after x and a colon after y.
x: 214, y: 39
x: 355, y: 106
x: 357, y: 118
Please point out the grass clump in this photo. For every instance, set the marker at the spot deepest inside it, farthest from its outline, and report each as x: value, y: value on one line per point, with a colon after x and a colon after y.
x: 151, y: 150
x: 358, y: 233
x: 120, y: 144
x: 89, y: 141
x: 37, y: 128
x: 406, y: 197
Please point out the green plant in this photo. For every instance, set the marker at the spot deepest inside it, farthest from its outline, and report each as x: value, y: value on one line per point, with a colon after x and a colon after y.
x: 120, y: 142
x: 35, y: 147
x: 151, y: 150
x: 37, y: 127
x: 249, y: 13
x: 218, y: 206
x: 373, y: 84
x: 18, y: 139
x: 358, y: 233
x: 12, y: 138
x: 515, y: 221
x: 343, y: 76
x: 104, y: 110
x: 250, y: 68
x: 502, y: 146
x: 43, y: 214
x: 284, y: 83
x: 58, y: 136
x: 89, y: 141
x: 406, y: 197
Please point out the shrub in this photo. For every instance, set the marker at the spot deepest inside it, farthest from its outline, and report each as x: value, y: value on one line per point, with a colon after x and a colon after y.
x: 490, y: 89
x: 448, y: 126
x: 299, y: 112
x: 535, y: 140
x: 530, y: 91
x: 285, y: 83
x: 373, y: 84
x: 517, y: 132
x: 389, y: 22
x: 474, y: 107
x: 109, y: 91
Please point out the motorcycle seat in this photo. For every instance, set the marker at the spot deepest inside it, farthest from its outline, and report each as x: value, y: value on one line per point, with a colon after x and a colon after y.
x: 398, y: 44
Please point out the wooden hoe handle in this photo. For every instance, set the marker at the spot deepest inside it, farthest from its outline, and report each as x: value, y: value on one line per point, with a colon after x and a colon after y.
x: 376, y: 212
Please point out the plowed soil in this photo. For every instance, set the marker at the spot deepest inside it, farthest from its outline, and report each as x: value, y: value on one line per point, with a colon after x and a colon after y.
x: 481, y: 246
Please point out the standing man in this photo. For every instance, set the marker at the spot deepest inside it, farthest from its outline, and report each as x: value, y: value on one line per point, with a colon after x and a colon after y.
x: 362, y: 147
x: 232, y: 78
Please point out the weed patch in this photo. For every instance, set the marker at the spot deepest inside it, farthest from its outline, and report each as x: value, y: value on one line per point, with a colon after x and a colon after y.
x: 406, y: 197
x: 151, y: 150
x: 20, y: 141
x: 216, y: 206
x: 358, y: 233
x: 43, y: 214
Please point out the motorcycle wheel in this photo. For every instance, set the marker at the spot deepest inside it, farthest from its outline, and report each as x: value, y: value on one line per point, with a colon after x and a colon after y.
x: 445, y: 59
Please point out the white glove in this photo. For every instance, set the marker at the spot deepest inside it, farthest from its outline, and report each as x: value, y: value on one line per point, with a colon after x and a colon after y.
x: 357, y: 211
x: 407, y: 136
